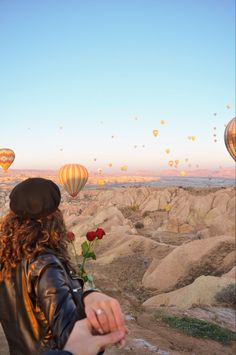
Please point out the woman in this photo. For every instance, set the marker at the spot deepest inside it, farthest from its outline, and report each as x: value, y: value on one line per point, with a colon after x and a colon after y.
x: 40, y: 296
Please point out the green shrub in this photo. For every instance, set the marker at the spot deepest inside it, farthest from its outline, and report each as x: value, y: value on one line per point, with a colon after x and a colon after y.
x: 198, y: 328
x: 134, y: 207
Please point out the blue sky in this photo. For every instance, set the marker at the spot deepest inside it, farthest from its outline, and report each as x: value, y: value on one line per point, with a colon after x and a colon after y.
x: 92, y: 66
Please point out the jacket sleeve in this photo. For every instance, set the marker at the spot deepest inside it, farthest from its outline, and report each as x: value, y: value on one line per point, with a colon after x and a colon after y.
x: 54, y: 297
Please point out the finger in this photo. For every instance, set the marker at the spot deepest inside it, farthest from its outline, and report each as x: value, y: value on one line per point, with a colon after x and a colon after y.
x: 122, y: 343
x: 109, y: 339
x: 119, y: 318
x: 103, y: 321
x: 110, y: 317
x: 92, y: 319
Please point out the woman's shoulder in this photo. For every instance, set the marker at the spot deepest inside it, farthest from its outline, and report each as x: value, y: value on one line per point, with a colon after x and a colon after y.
x: 42, y: 261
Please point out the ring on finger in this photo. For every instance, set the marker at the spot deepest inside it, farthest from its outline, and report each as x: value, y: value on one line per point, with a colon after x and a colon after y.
x: 99, y: 311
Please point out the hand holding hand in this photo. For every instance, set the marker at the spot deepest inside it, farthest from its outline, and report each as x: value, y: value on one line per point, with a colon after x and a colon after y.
x: 104, y: 314
x: 82, y: 342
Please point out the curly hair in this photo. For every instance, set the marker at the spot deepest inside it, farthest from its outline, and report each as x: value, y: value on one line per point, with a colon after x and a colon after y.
x: 24, y: 238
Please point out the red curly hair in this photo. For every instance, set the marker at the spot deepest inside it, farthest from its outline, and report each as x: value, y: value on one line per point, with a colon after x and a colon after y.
x: 24, y: 238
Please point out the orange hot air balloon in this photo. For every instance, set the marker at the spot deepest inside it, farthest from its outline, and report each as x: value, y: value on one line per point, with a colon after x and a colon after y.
x: 73, y: 177
x: 101, y: 182
x: 110, y: 165
x: 171, y: 163
x: 155, y: 132
x: 7, y: 157
x: 230, y: 138
x: 182, y: 173
x: 124, y: 168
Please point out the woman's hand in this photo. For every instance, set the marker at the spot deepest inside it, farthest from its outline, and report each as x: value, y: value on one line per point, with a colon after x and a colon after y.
x: 82, y: 342
x: 104, y: 314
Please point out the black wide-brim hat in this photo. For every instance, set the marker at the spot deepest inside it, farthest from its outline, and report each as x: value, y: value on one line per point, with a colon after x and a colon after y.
x: 35, y: 198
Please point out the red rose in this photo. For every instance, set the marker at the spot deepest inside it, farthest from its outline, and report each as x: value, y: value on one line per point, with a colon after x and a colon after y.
x: 70, y: 236
x: 91, y: 236
x: 100, y: 233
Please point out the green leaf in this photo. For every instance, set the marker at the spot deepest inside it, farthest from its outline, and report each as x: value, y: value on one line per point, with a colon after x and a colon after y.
x: 85, y: 278
x: 85, y: 248
x: 91, y: 255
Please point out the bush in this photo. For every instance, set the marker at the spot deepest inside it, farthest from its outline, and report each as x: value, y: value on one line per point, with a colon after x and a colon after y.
x: 134, y: 207
x: 199, y: 328
x: 227, y: 295
x: 139, y: 225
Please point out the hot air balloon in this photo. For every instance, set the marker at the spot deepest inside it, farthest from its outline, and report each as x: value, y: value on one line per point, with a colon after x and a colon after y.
x: 228, y: 107
x: 124, y: 168
x: 99, y: 171
x: 171, y: 163
x: 193, y: 138
x: 162, y: 121
x: 7, y: 157
x: 168, y: 207
x: 110, y: 165
x: 155, y: 132
x: 101, y: 182
x: 73, y: 177
x: 230, y: 138
x: 182, y: 173
x: 167, y: 151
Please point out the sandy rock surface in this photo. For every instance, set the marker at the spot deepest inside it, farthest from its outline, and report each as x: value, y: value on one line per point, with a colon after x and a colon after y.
x: 231, y: 274
x: 185, y: 263
x: 201, y: 292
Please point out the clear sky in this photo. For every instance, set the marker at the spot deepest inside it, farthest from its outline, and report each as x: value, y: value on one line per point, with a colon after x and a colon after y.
x: 74, y: 73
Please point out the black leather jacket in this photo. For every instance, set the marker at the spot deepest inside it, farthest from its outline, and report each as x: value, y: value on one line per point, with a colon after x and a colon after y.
x: 39, y: 305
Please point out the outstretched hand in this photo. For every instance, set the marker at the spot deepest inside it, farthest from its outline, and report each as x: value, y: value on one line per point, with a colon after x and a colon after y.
x: 82, y: 342
x: 104, y: 314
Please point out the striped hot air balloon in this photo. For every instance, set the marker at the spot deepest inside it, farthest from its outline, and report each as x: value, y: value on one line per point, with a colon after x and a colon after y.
x: 73, y: 177
x: 7, y: 157
x: 230, y: 138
